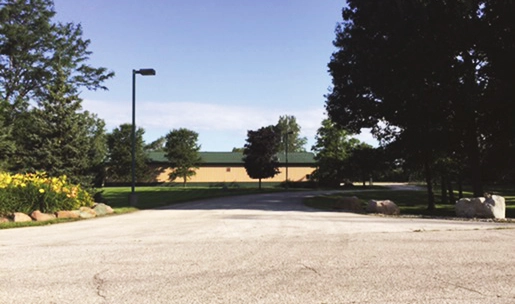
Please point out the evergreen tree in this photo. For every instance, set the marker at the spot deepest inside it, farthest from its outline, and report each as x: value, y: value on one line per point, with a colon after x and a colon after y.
x: 119, y: 161
x: 182, y: 152
x: 6, y: 144
x: 56, y: 137
x: 259, y: 154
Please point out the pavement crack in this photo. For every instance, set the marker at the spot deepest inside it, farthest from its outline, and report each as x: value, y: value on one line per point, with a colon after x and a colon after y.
x: 462, y: 287
x: 99, y: 284
x: 310, y: 268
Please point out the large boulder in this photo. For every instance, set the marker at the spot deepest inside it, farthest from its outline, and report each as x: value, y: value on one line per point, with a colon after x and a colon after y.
x: 4, y: 220
x: 19, y: 217
x: 384, y: 207
x: 102, y: 209
x: 493, y: 206
x: 41, y: 217
x: 349, y: 204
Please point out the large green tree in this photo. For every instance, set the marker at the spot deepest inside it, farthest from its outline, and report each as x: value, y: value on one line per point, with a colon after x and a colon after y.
x: 119, y: 161
x: 291, y: 140
x: 420, y: 72
x: 260, y: 153
x: 182, y: 152
x: 34, y: 48
x: 59, y: 138
x: 332, y: 148
x: 43, y: 64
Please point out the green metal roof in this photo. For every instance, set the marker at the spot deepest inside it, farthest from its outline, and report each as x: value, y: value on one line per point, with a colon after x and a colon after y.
x: 235, y: 158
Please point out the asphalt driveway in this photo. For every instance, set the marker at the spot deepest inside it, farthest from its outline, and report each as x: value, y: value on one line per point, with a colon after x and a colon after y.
x: 267, y: 248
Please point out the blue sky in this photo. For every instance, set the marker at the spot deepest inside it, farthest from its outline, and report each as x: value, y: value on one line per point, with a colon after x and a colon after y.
x: 223, y: 66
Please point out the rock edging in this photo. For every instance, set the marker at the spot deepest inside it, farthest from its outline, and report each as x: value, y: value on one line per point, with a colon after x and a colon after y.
x: 99, y: 209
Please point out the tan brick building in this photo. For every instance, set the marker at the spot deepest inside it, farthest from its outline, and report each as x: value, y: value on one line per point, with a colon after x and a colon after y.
x: 227, y: 167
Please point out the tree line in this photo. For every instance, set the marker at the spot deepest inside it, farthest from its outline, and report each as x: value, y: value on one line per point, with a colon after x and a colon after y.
x: 434, y: 80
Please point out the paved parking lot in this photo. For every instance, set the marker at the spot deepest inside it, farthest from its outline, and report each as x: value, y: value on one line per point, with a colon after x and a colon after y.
x: 258, y: 249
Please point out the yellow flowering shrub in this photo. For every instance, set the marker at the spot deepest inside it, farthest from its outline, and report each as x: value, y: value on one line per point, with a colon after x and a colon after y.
x: 35, y: 191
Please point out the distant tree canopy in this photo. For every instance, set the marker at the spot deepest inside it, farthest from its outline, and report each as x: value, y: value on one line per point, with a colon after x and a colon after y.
x: 182, y: 151
x: 119, y: 143
x: 157, y: 145
x: 43, y: 67
x: 289, y: 129
x: 432, y: 75
x: 259, y: 154
x: 332, y: 148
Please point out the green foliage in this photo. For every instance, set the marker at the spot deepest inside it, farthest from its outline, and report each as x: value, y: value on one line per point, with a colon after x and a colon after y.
x: 7, y: 145
x: 259, y: 154
x: 44, y: 63
x: 60, y: 139
x: 30, y: 192
x: 365, y: 162
x: 157, y: 145
x: 182, y: 152
x: 413, y: 72
x: 290, y: 135
x: 119, y: 143
x: 332, y: 148
x: 33, y: 47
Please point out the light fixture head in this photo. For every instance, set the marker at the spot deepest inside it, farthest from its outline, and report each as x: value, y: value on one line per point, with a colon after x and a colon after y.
x: 146, y: 72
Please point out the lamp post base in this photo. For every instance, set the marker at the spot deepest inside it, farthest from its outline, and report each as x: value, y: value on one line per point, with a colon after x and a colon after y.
x: 133, y: 199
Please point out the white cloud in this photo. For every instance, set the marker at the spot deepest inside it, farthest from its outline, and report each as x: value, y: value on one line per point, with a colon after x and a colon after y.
x: 225, y: 121
x: 200, y: 116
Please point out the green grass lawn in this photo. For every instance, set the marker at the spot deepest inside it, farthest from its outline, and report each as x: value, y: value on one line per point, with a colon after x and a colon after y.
x: 410, y: 202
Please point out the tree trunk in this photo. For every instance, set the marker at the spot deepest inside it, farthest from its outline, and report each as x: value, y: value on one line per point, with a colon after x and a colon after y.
x: 260, y: 184
x: 452, y: 199
x: 443, y: 189
x: 475, y: 170
x: 460, y: 186
x: 184, y: 181
x: 429, y: 183
x: 474, y: 159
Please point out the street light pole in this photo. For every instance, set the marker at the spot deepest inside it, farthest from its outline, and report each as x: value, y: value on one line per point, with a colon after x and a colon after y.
x: 144, y: 72
x: 286, y: 150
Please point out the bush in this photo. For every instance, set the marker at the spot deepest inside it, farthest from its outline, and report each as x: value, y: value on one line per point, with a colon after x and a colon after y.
x: 35, y: 191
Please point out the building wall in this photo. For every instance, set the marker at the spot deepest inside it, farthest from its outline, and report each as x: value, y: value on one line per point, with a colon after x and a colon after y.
x: 237, y: 174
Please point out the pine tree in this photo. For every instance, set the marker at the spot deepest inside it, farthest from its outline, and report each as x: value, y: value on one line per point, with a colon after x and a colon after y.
x: 56, y: 137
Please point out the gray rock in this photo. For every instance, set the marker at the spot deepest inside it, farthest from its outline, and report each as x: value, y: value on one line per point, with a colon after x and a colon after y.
x: 384, y: 207
x: 102, y: 209
x: 480, y: 207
